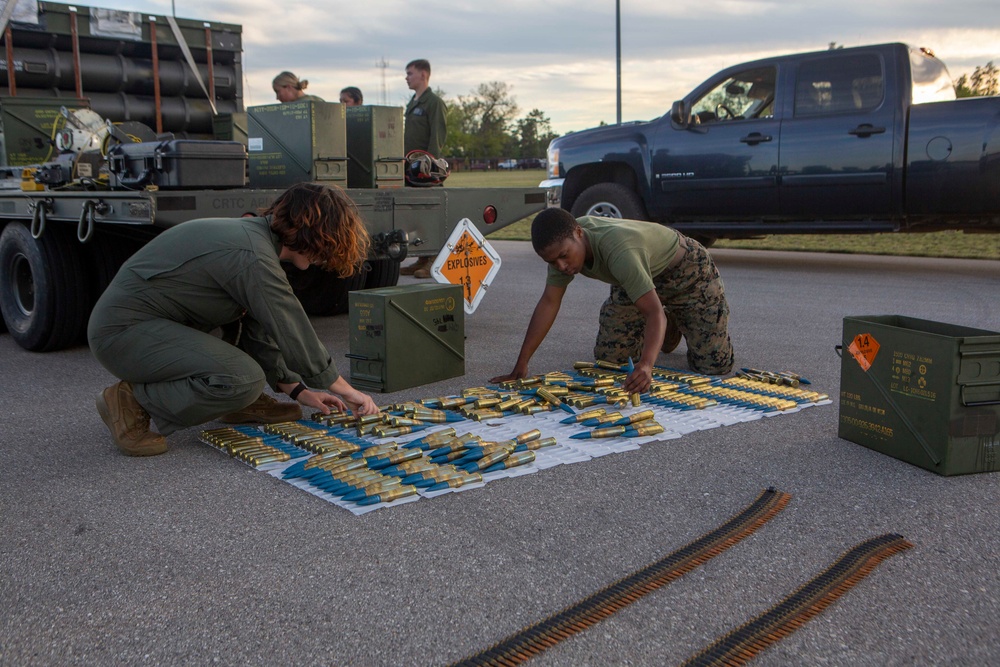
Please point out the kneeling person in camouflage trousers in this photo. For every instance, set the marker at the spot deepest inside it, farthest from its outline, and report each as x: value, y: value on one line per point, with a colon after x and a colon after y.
x: 663, y: 285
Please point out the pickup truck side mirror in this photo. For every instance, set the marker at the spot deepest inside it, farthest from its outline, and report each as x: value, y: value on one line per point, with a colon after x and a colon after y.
x: 680, y: 113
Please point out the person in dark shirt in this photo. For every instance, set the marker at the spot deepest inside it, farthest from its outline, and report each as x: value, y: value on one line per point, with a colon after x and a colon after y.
x: 152, y: 326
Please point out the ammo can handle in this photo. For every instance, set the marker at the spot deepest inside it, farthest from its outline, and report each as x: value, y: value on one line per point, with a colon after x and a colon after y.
x: 978, y: 404
x: 361, y: 357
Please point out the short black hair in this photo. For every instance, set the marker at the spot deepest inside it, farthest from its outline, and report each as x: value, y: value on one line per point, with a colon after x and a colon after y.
x: 551, y: 226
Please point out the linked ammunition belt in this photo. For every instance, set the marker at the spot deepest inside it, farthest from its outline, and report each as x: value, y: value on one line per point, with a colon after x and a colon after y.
x: 531, y: 641
x: 742, y: 644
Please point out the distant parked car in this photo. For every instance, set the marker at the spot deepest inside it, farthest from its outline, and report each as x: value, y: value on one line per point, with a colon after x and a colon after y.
x: 531, y: 163
x: 507, y: 164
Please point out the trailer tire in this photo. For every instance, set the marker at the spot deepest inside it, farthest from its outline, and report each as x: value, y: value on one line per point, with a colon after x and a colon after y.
x: 323, y: 292
x: 44, y: 296
x: 609, y: 200
x: 382, y: 272
x: 107, y: 254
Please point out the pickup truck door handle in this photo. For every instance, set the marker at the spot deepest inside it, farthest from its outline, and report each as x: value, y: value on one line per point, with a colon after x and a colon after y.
x: 755, y: 138
x: 866, y: 130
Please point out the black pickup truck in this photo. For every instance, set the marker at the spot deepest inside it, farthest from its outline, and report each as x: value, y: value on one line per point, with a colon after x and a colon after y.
x: 858, y: 140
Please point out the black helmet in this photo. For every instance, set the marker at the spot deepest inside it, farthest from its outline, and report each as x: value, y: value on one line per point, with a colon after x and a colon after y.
x: 423, y: 169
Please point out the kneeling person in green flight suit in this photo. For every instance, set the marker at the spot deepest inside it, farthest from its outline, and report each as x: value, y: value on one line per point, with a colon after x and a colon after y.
x: 663, y: 285
x: 151, y: 327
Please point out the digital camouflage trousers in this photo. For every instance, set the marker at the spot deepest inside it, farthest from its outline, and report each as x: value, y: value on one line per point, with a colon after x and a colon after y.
x: 693, y: 297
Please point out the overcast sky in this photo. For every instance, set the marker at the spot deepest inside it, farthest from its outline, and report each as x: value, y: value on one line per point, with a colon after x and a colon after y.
x: 559, y: 55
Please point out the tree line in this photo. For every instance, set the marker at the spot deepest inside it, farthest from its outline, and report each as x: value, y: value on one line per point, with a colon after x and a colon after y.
x: 485, y: 124
x: 984, y: 81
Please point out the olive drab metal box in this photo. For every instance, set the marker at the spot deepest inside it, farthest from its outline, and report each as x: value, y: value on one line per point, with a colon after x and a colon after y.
x: 925, y: 392
x: 406, y: 336
x: 375, y: 147
x: 27, y: 128
x: 230, y: 127
x: 295, y: 143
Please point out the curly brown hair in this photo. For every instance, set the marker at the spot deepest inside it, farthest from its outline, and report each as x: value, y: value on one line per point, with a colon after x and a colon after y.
x: 322, y: 223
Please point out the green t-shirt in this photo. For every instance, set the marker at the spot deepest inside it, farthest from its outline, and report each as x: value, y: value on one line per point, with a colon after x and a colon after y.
x: 626, y: 253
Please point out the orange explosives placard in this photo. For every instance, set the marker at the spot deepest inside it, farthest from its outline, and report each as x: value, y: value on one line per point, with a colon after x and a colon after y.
x: 467, y: 265
x: 863, y: 348
x: 467, y: 260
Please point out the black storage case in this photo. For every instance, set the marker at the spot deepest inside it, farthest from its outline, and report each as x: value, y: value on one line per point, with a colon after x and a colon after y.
x: 178, y: 163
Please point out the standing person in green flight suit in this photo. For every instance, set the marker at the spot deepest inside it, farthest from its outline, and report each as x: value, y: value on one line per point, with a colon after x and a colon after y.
x: 424, y: 129
x: 151, y: 327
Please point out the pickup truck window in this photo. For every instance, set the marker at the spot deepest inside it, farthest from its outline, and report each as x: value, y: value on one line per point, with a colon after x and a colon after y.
x: 931, y: 81
x: 749, y: 94
x: 838, y: 84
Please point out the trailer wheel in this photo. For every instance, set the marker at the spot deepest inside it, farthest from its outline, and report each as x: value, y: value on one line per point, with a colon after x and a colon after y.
x: 383, y: 273
x: 323, y: 292
x: 609, y: 200
x: 106, y: 255
x: 43, y: 292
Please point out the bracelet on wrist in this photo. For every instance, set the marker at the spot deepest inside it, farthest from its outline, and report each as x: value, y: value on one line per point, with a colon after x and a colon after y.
x: 296, y: 390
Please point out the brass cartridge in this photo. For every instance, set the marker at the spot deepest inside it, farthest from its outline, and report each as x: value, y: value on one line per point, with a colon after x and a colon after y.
x: 519, y: 459
x: 607, y: 432
x: 397, y: 493
x: 648, y: 428
x: 528, y: 436
x: 491, y: 458
x: 538, y: 444
x: 391, y: 431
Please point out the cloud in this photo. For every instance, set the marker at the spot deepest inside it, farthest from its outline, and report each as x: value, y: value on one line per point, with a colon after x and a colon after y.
x: 559, y: 56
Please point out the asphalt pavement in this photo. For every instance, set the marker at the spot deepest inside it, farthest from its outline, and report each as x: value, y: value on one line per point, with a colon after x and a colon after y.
x: 195, y: 558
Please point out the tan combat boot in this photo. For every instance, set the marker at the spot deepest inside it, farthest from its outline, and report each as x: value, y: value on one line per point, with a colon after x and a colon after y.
x: 265, y: 410
x: 128, y: 422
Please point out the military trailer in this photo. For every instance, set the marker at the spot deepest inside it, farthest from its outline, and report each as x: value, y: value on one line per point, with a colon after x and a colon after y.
x: 117, y: 125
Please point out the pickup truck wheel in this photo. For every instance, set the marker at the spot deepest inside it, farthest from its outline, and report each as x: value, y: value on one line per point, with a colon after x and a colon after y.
x: 43, y: 291
x: 323, y: 292
x: 383, y: 273
x: 705, y: 241
x: 609, y: 200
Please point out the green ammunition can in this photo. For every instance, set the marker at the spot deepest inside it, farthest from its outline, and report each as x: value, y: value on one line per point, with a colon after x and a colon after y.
x: 925, y: 392
x: 297, y: 142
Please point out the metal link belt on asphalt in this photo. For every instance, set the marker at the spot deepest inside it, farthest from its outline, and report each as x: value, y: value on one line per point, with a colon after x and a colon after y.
x: 743, y: 643
x: 534, y: 639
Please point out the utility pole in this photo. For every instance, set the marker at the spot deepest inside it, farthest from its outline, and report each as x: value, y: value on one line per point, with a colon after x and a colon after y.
x: 384, y: 92
x: 618, y: 57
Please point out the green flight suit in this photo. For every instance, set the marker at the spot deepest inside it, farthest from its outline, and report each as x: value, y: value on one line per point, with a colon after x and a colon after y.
x: 424, y: 127
x: 151, y: 326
